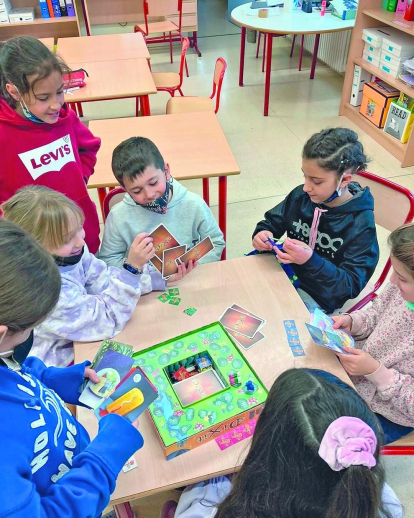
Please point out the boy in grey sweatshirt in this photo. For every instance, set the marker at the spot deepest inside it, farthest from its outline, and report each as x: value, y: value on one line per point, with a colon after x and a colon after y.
x: 153, y: 197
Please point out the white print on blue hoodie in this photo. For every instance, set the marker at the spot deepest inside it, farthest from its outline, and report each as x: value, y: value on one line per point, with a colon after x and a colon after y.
x: 49, y: 467
x: 188, y: 218
x: 95, y: 302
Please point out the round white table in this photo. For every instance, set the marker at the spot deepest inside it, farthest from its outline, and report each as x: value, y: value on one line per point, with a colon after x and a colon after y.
x: 281, y: 24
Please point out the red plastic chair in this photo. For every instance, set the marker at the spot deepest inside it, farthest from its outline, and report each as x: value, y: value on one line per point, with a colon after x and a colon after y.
x: 201, y: 104
x: 171, y: 82
x: 394, y: 206
x: 113, y: 197
x: 161, y: 9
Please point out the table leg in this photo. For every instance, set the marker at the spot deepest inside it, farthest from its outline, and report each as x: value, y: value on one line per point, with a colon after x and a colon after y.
x: 293, y: 45
x: 124, y: 510
x: 302, y: 42
x: 264, y: 51
x: 242, y: 47
x: 145, y: 105
x: 206, y: 191
x: 315, y: 55
x: 268, y: 70
x: 222, y: 209
x: 102, y: 196
x: 85, y: 18
x: 258, y: 44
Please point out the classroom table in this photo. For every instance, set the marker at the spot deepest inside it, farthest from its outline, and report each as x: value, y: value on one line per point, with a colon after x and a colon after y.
x: 117, y: 79
x: 106, y: 47
x: 282, y: 24
x: 49, y: 42
x: 258, y: 284
x: 192, y: 143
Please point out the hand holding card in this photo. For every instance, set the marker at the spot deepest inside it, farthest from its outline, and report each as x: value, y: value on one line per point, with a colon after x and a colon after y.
x: 162, y: 240
x: 197, y: 252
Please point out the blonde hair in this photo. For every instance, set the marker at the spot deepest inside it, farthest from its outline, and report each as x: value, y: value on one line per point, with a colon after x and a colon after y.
x: 44, y: 213
x: 401, y: 242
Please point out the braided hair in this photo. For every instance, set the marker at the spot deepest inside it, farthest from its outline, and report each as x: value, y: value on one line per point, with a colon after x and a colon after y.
x: 336, y: 149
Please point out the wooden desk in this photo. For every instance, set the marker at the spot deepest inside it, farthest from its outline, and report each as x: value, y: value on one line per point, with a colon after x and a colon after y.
x: 192, y: 143
x: 106, y: 47
x: 281, y: 24
x: 258, y: 284
x: 49, y: 42
x: 118, y: 79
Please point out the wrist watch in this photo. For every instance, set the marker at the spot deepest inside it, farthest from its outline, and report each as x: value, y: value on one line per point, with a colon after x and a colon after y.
x: 131, y: 269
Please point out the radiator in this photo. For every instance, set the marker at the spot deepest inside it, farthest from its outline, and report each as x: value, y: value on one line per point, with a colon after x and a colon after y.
x: 333, y: 48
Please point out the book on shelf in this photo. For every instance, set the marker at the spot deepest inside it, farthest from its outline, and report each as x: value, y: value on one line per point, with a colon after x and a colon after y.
x: 400, y: 118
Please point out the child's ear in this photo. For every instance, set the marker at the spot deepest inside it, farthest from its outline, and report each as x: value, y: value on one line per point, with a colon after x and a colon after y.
x: 346, y: 179
x: 167, y: 171
x: 12, y: 90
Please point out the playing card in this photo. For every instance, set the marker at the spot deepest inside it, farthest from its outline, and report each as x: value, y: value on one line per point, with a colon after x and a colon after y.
x: 174, y: 301
x: 197, y: 252
x: 156, y: 263
x: 190, y: 311
x: 164, y: 297
x: 162, y: 240
x: 169, y: 266
x: 242, y: 310
x: 240, y: 322
x: 244, y: 341
x: 173, y: 292
x: 111, y: 369
x: 107, y: 345
x: 131, y: 463
x: 297, y: 350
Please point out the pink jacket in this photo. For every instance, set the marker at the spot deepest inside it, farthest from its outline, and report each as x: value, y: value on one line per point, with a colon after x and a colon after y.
x: 386, y: 332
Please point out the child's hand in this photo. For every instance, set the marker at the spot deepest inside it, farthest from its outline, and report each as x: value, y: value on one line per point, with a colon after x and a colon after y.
x: 358, y: 363
x: 91, y: 374
x: 342, y: 322
x: 295, y: 252
x: 141, y: 251
x: 182, y: 271
x: 260, y: 243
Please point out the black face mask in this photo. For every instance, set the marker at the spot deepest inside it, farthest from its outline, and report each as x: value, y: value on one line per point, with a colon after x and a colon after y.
x: 21, y: 351
x: 68, y: 261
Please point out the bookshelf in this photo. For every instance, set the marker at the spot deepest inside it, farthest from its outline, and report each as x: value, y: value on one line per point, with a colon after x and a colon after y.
x: 371, y: 15
x: 64, y: 27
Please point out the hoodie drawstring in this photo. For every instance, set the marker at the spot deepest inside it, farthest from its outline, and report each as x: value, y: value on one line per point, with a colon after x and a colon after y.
x: 314, y: 228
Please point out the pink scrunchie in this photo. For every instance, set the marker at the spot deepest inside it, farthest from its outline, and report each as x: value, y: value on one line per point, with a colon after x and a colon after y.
x: 348, y: 441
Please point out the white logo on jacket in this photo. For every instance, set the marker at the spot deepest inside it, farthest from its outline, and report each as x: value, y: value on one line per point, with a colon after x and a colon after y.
x: 324, y: 242
x: 51, y: 157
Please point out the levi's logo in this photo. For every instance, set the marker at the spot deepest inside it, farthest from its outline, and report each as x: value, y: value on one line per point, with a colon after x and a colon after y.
x: 51, y: 157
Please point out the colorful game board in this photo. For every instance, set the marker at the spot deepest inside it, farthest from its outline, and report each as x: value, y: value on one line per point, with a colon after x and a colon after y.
x: 201, y: 379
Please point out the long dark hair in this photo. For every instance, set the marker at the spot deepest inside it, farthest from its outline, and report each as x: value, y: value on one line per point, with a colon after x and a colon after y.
x: 283, y: 475
x: 336, y: 149
x: 24, y: 57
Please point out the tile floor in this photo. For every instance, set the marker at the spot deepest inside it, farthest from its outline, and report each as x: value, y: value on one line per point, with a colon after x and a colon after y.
x: 268, y: 150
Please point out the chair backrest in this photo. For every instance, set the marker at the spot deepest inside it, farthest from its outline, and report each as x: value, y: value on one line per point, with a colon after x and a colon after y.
x: 219, y: 71
x: 162, y: 9
x: 393, y: 206
x: 185, y: 43
x: 112, y: 198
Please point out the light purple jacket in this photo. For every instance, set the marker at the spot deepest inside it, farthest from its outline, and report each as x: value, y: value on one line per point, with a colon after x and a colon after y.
x: 95, y: 302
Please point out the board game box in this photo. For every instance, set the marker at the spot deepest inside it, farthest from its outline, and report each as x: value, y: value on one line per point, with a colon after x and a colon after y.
x: 205, y: 387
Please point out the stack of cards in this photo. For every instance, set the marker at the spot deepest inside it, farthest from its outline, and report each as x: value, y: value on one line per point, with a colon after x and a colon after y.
x: 242, y: 326
x: 293, y: 338
x: 171, y: 297
x: 122, y: 388
x: 169, y: 253
x: 325, y: 335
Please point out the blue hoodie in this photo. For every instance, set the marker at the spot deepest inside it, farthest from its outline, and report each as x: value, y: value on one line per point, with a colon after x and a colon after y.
x: 49, y: 466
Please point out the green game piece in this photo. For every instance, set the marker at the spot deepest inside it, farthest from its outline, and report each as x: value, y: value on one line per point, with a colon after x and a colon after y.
x: 173, y: 292
x: 164, y: 297
x: 190, y: 311
x: 175, y: 301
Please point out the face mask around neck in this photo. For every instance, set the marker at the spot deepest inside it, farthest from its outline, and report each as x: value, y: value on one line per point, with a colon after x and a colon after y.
x: 26, y: 112
x: 160, y: 204
x: 68, y: 261
x: 337, y: 193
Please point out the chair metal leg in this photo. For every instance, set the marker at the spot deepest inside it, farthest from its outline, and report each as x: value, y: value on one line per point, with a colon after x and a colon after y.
x: 186, y: 67
x: 171, y: 48
x: 80, y: 110
x: 206, y: 191
x: 293, y: 45
x: 181, y: 93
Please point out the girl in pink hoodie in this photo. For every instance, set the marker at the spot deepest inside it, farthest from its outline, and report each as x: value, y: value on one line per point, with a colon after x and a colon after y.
x: 42, y: 141
x: 382, y: 364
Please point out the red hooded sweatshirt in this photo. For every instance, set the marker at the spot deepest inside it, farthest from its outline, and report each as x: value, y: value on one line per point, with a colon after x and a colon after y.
x: 60, y: 156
